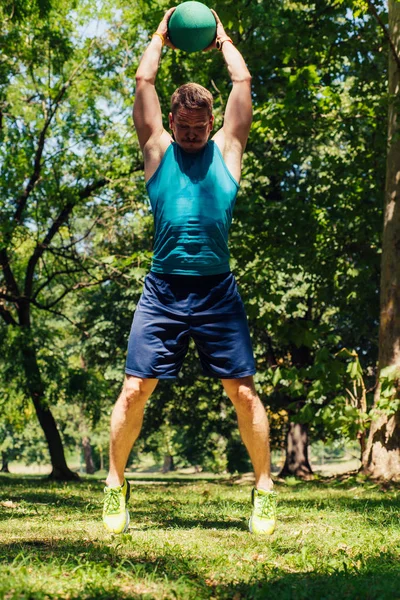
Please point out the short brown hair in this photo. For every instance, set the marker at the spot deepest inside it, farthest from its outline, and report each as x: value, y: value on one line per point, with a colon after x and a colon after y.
x: 191, y: 96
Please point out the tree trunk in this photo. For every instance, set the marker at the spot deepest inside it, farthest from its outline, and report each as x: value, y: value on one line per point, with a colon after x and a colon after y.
x: 296, y: 462
x: 87, y: 453
x: 101, y: 459
x: 60, y: 470
x: 168, y: 463
x: 4, y: 465
x: 381, y: 458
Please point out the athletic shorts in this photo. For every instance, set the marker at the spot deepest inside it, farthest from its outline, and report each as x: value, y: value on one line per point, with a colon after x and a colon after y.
x: 174, y: 308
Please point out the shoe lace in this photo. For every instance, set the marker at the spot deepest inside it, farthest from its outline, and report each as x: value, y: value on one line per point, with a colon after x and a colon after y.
x: 112, y: 500
x: 266, y: 505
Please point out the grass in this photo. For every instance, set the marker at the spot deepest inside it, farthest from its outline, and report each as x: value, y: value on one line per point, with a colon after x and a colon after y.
x: 337, y: 538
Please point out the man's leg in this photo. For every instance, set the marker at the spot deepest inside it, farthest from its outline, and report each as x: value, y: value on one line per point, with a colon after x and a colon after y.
x: 126, y: 423
x: 253, y: 426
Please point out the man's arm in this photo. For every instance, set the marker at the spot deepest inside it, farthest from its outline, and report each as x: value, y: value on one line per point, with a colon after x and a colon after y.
x: 147, y: 115
x: 232, y: 138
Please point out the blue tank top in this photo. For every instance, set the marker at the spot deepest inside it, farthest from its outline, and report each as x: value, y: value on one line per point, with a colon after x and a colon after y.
x: 192, y: 198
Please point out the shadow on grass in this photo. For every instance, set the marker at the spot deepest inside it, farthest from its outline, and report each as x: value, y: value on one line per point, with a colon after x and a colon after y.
x: 375, y: 583
x: 377, y: 578
x: 345, y: 481
x: 177, y: 522
x: 378, y: 511
x: 134, y: 569
x: 145, y: 514
x: 156, y: 506
x: 22, y: 497
x: 48, y: 498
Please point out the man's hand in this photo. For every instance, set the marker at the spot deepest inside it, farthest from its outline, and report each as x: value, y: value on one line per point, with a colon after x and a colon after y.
x: 162, y: 29
x: 221, y: 33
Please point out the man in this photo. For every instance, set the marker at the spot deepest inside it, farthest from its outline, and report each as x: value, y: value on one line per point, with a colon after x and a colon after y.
x: 190, y: 292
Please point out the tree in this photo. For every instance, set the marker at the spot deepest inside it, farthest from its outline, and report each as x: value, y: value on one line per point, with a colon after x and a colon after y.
x: 63, y: 186
x: 382, y: 455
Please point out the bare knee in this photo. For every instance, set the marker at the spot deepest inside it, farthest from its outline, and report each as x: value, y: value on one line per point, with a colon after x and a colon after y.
x: 242, y: 393
x: 249, y: 408
x: 246, y: 399
x: 136, y: 391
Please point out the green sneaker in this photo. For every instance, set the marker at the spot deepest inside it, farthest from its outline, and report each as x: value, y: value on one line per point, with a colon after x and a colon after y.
x: 115, y: 513
x: 263, y: 517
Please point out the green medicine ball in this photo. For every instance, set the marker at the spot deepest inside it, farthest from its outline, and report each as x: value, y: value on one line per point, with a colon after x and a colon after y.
x: 192, y: 26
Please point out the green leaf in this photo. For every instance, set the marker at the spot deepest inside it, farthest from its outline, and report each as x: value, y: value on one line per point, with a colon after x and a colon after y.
x: 277, y: 377
x: 390, y: 373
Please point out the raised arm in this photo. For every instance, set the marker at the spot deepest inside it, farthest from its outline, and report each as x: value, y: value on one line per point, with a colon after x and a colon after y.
x: 146, y: 110
x: 238, y: 112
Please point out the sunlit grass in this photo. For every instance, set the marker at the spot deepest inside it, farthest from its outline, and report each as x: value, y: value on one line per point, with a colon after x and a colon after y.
x: 189, y: 540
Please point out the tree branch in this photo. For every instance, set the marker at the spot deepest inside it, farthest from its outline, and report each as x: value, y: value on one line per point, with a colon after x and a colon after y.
x: 84, y: 236
x: 7, y: 297
x: 8, y: 274
x: 7, y: 316
x: 89, y: 189
x: 62, y: 217
x: 51, y: 277
x: 71, y: 258
x: 60, y: 314
x: 41, y: 247
x: 77, y: 286
x: 385, y: 30
x: 48, y: 307
x: 21, y: 202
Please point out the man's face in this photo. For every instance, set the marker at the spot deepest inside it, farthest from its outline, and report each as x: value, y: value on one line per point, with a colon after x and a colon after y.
x: 191, y: 128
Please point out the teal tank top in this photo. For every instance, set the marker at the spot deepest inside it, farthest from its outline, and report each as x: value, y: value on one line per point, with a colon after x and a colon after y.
x: 192, y: 198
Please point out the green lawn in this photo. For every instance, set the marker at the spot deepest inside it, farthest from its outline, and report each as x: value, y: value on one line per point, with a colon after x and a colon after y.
x: 188, y: 540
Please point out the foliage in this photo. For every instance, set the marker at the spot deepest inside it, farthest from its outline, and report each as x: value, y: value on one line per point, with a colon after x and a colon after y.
x: 389, y: 401
x: 64, y: 189
x: 315, y: 194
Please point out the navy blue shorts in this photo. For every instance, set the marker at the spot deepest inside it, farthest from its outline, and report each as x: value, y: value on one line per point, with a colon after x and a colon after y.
x: 174, y: 308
